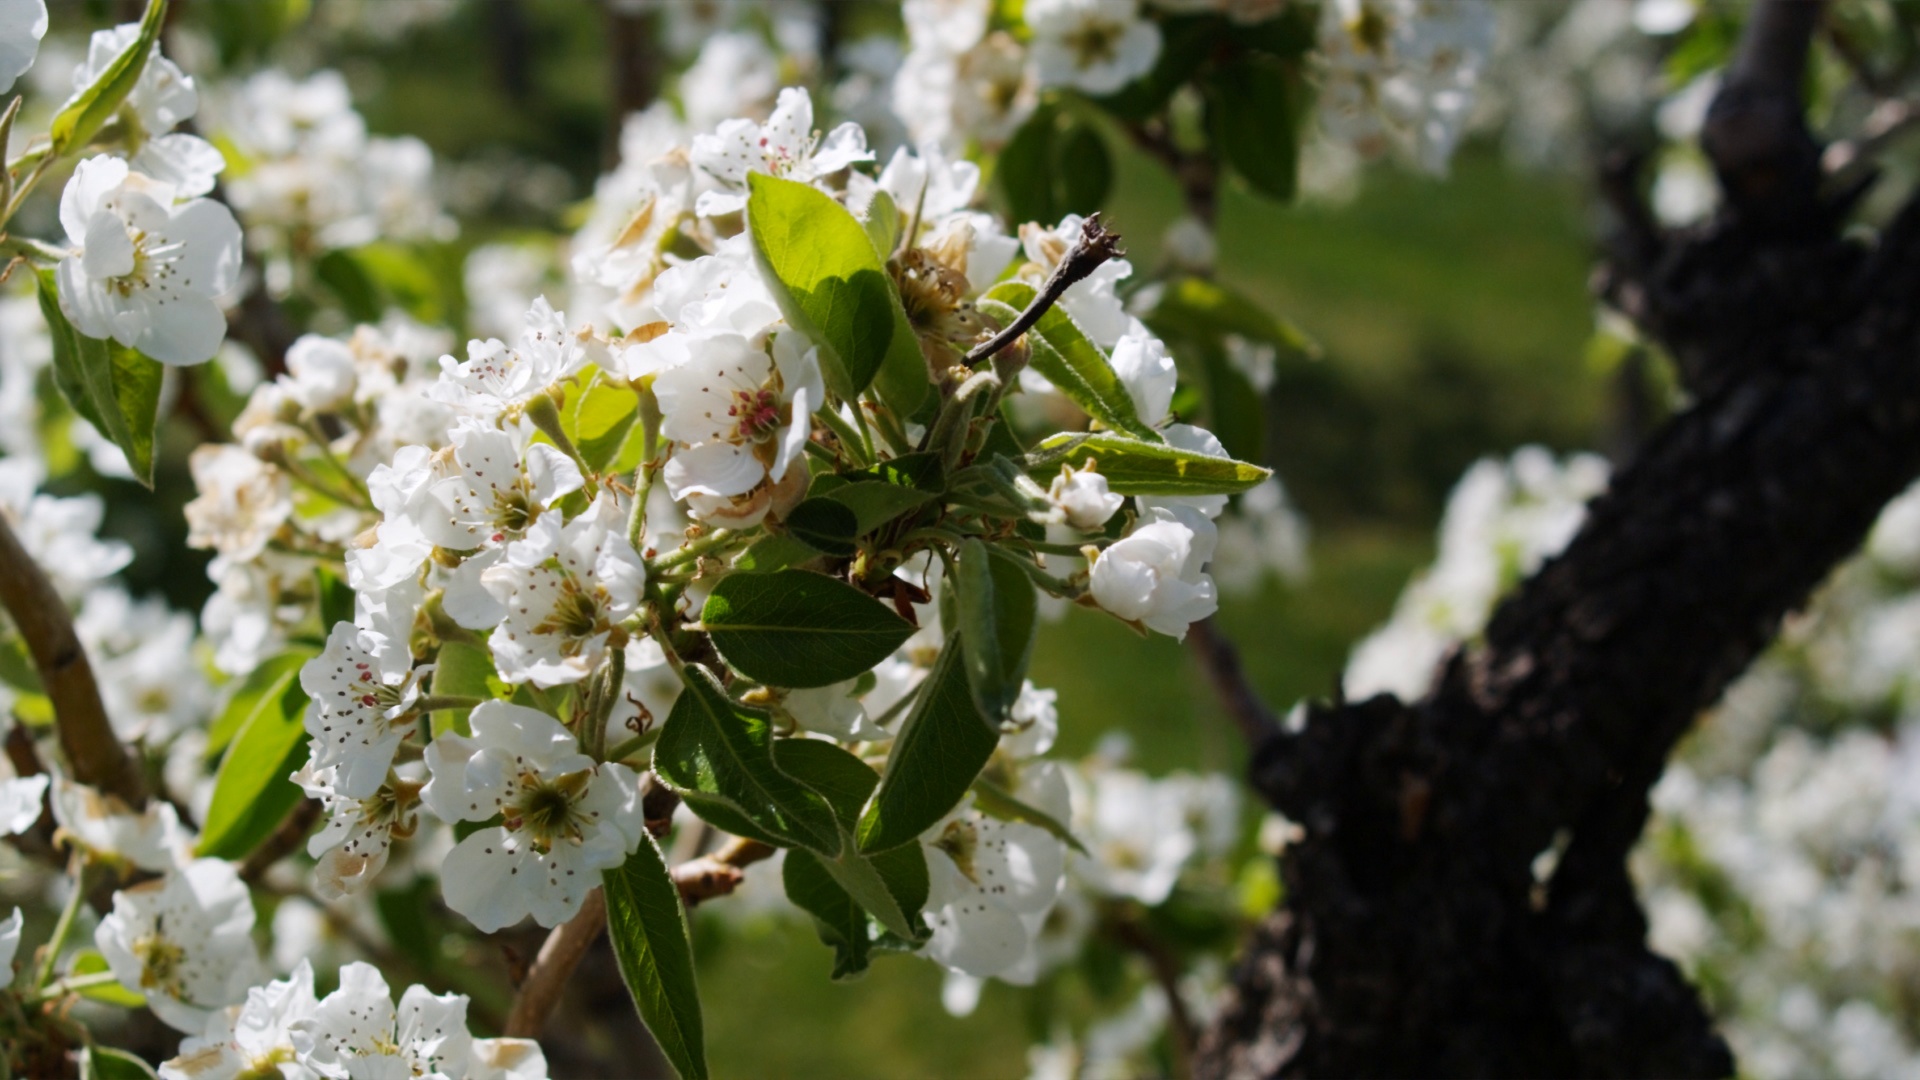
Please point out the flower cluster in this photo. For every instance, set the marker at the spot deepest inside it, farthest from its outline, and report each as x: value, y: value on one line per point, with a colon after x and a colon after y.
x: 1401, y: 74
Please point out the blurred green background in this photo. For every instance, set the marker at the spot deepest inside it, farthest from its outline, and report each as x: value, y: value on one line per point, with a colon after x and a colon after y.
x: 1453, y: 315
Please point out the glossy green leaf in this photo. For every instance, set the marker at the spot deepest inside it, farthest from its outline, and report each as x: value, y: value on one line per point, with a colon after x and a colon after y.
x: 821, y: 266
x: 1062, y: 352
x: 1255, y: 104
x: 995, y: 604
x: 1085, y: 170
x: 91, y: 108
x: 825, y: 525
x: 116, y: 389
x: 1236, y: 412
x: 1205, y: 310
x: 601, y: 418
x: 252, y: 792
x: 941, y: 748
x: 883, y: 224
x: 1133, y: 467
x: 887, y: 490
x: 263, y: 683
x: 460, y: 670
x: 1024, y: 169
x: 888, y: 890
x: 336, y: 596
x: 648, y: 928
x: 841, y: 923
x: 106, y: 1063
x: 774, y: 552
x: 796, y: 628
x: 718, y: 754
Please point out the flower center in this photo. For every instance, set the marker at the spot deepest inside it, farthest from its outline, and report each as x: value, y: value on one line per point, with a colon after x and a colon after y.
x: 755, y: 413
x: 373, y: 693
x: 1095, y: 43
x: 960, y: 840
x: 575, y: 616
x: 160, y: 962
x: 544, y: 810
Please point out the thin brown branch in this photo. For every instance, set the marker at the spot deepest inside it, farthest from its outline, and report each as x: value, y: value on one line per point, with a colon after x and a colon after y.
x: 1220, y: 659
x: 1165, y: 966
x: 561, y: 953
x: 285, y: 839
x: 1094, y: 245
x: 720, y: 873
x: 93, y: 751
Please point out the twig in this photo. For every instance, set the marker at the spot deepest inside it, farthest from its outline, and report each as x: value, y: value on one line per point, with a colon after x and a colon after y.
x: 1166, y: 971
x: 720, y: 873
x: 92, y: 750
x: 1094, y: 246
x: 1221, y: 661
x: 1889, y: 120
x: 285, y: 839
x: 547, y: 978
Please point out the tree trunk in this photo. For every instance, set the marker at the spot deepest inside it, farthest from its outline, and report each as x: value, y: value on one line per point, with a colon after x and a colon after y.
x: 1415, y: 937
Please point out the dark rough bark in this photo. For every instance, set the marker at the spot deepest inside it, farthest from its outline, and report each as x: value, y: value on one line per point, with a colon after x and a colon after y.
x: 1414, y: 938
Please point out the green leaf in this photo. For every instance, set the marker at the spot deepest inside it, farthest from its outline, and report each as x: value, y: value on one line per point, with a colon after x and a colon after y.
x: 883, y: 224
x: 116, y: 389
x: 1025, y: 170
x: 600, y: 420
x: 93, y: 107
x: 336, y: 597
x: 774, y: 552
x: 821, y: 267
x: 1236, y: 412
x: 106, y: 1063
x: 942, y: 746
x: 996, y: 801
x: 1085, y: 170
x: 1206, y: 311
x: 799, y: 629
x: 888, y: 888
x: 1133, y: 467
x: 841, y: 923
x: 261, y: 686
x: 460, y: 670
x: 996, y: 605
x: 1254, y: 104
x: 91, y: 962
x: 825, y: 525
x: 650, y: 939
x: 1055, y: 165
x: 251, y: 793
x: 718, y: 755
x: 885, y: 491
x: 350, y: 283
x: 1062, y: 352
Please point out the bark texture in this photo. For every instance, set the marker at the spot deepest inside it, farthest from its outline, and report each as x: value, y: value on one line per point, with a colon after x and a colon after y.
x: 1415, y: 938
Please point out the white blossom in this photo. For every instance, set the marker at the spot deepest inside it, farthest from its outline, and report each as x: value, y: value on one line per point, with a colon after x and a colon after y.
x: 356, y: 1032
x: 1094, y: 45
x: 185, y: 941
x: 22, y: 24
x: 565, y: 589
x: 1155, y: 574
x: 106, y: 828
x: 1082, y: 498
x: 145, y: 272
x: 993, y: 881
x: 739, y: 417
x: 359, y: 695
x: 784, y: 146
x: 59, y: 533
x: 497, y: 376
x: 565, y: 818
x: 242, y: 501
x: 351, y: 849
x: 254, y: 1039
